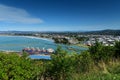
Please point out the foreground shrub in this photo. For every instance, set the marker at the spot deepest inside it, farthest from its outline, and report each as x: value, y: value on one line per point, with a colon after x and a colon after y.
x: 61, y: 66
x: 83, y: 62
x: 14, y: 67
x: 117, y: 50
x: 99, y: 52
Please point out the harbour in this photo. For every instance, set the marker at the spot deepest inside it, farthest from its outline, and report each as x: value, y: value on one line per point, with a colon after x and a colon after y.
x: 34, y: 46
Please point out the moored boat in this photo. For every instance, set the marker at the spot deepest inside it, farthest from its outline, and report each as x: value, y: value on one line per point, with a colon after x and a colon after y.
x: 37, y: 50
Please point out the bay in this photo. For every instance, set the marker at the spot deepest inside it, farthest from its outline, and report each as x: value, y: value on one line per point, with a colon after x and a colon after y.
x: 17, y: 43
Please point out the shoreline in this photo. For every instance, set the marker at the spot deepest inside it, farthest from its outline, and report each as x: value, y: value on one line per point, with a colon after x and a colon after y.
x: 81, y: 45
x: 9, y: 51
x: 35, y: 37
x: 30, y: 56
x: 32, y: 37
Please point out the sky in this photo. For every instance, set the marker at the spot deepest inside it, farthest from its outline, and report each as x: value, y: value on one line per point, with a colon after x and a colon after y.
x: 59, y: 15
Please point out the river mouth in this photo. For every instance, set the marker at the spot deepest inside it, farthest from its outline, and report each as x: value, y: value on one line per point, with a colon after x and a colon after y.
x: 17, y: 43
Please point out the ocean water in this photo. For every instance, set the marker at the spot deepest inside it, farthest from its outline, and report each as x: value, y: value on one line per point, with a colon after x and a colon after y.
x: 17, y: 43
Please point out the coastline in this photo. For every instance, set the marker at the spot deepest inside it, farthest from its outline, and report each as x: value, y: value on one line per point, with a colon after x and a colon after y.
x: 33, y: 56
x: 32, y: 37
x: 10, y: 51
x: 81, y: 45
x: 35, y: 37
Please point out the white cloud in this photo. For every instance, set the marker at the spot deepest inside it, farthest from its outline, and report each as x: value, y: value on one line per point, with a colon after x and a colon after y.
x: 16, y: 15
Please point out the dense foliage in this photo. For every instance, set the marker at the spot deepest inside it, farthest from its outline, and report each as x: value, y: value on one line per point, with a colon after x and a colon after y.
x: 61, y: 40
x: 97, y: 63
x: 99, y: 52
x: 14, y: 67
x: 117, y: 50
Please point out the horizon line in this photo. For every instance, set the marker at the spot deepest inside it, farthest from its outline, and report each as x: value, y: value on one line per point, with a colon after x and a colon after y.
x: 57, y: 31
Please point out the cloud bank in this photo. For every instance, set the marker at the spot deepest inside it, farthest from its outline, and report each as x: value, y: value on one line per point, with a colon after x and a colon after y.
x: 16, y: 15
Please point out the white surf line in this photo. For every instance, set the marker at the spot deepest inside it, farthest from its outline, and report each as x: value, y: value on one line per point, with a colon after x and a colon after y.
x: 33, y: 37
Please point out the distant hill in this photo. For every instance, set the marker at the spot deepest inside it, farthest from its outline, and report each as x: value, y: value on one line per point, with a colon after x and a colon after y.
x: 103, y: 32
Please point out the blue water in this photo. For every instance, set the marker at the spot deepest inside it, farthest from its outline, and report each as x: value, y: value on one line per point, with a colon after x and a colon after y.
x: 17, y: 43
x: 40, y: 57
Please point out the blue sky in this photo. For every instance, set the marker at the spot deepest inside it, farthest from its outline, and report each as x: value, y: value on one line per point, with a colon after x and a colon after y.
x: 59, y: 15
